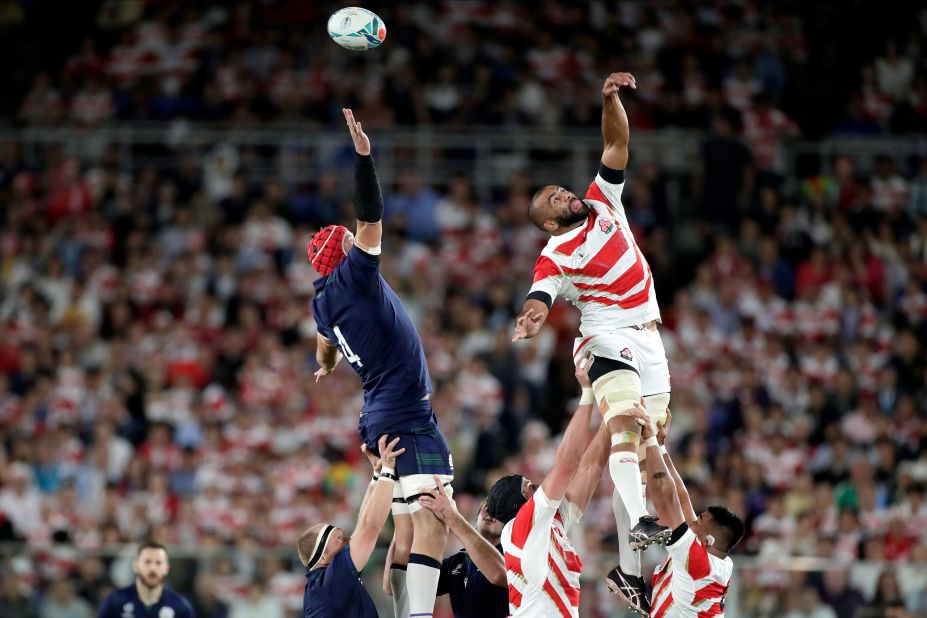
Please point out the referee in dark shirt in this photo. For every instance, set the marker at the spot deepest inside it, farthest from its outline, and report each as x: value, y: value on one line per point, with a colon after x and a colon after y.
x: 474, y: 577
x: 148, y: 596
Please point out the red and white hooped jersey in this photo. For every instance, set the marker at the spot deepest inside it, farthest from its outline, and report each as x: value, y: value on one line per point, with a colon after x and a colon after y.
x: 541, y: 566
x: 690, y: 583
x: 598, y: 266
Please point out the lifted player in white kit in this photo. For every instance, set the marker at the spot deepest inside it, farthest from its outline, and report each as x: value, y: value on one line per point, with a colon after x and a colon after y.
x: 594, y: 262
x: 693, y: 581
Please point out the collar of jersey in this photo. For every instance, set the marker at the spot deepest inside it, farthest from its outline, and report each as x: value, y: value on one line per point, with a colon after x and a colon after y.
x: 576, y: 231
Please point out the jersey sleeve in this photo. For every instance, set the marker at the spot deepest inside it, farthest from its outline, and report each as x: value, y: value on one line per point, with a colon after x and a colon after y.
x: 607, y: 188
x: 106, y: 608
x: 548, y: 278
x: 688, y: 554
x: 361, y: 270
x: 531, y: 532
x: 570, y: 513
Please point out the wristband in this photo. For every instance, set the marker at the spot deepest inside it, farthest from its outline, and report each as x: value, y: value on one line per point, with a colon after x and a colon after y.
x: 663, y: 449
x: 375, y: 478
x: 587, y: 398
x: 651, y: 441
x: 388, y: 473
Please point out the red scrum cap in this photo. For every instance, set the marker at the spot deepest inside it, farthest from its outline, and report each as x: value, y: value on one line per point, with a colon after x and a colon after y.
x: 326, y: 248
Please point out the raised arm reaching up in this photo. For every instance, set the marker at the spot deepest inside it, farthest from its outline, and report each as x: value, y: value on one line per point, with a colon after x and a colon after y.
x: 615, y: 130
x: 368, y: 201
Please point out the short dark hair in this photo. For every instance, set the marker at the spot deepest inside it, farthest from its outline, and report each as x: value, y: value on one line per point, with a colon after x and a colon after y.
x: 730, y: 526
x: 150, y: 544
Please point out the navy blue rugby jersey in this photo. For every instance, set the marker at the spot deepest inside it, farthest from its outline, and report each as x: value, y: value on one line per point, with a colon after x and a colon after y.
x: 355, y: 308
x: 124, y: 603
x: 336, y: 591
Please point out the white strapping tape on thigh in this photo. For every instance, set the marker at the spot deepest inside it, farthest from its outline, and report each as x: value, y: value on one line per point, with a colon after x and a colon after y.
x: 413, y: 484
x: 616, y: 392
x: 399, y: 506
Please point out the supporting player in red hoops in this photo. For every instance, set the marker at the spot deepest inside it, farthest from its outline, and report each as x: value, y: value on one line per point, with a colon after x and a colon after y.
x: 694, y: 579
x: 542, y: 568
x: 594, y: 262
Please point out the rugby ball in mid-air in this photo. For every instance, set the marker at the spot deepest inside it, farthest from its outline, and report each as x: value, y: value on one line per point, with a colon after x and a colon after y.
x: 356, y: 28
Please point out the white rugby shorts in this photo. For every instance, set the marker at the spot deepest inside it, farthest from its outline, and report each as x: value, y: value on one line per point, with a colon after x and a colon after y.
x: 641, y: 349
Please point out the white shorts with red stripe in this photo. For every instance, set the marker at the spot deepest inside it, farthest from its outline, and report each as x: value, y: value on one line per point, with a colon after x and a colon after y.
x: 642, y: 349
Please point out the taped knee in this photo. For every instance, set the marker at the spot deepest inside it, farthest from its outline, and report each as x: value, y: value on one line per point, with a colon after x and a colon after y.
x: 656, y: 406
x: 616, y: 392
x: 656, y: 409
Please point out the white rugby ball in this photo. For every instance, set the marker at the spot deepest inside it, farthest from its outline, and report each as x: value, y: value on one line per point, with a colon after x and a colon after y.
x: 356, y: 28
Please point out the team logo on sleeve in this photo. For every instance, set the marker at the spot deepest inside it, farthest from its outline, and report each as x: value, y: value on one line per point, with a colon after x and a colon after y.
x: 606, y: 225
x: 626, y: 354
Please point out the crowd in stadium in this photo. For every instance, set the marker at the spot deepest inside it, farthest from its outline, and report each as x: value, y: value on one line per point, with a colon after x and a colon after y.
x: 464, y: 63
x: 156, y: 342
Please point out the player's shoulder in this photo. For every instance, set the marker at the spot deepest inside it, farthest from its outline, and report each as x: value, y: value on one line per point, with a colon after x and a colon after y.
x: 541, y: 499
x: 176, y: 597
x: 343, y: 564
x: 116, y: 599
x: 176, y: 601
x: 123, y: 594
x: 363, y: 257
x: 681, y: 536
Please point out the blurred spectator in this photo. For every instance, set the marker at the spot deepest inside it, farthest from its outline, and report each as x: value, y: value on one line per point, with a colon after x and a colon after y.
x: 895, y: 72
x: 43, y: 105
x: 725, y: 181
x: 836, y: 592
x: 807, y: 604
x: 14, y: 597
x: 765, y: 127
x: 412, y: 208
x: 256, y: 602
x: 62, y: 602
x: 20, y: 501
x: 92, y: 105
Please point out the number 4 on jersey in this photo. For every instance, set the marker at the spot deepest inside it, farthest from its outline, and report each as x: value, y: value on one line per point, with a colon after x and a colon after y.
x: 349, y: 354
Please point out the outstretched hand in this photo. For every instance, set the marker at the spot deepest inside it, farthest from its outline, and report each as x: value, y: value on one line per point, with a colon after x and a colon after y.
x: 361, y: 141
x: 375, y: 461
x: 663, y: 428
x: 583, y: 365
x: 438, y: 502
x: 639, y: 413
x: 389, y: 452
x: 615, y: 81
x: 528, y: 325
x: 322, y: 373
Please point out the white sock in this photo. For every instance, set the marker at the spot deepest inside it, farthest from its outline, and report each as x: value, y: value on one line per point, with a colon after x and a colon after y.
x: 626, y: 475
x: 422, y: 583
x: 628, y: 559
x: 397, y: 580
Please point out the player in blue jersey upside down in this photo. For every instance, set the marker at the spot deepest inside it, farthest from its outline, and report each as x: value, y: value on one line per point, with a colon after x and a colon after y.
x: 361, y: 320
